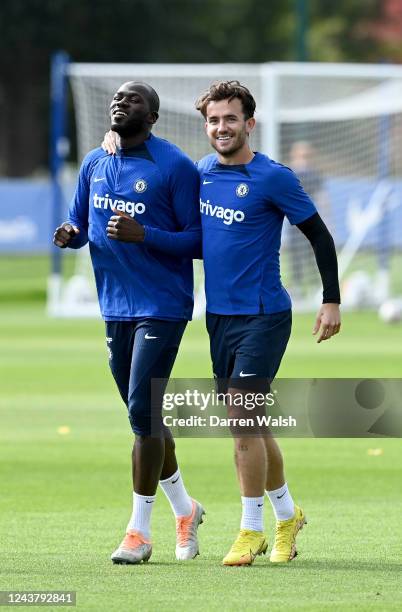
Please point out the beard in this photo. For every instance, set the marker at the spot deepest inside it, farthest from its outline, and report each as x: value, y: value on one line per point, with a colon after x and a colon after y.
x: 132, y: 127
x: 237, y: 144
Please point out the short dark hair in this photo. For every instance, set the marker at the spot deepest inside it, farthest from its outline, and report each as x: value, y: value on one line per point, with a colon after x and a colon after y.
x: 150, y: 93
x: 227, y: 90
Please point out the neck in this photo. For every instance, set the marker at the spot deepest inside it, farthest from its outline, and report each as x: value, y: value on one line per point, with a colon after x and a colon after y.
x: 242, y: 156
x: 132, y: 140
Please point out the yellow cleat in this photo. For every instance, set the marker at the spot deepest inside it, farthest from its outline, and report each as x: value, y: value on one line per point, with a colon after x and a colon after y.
x: 246, y: 547
x: 285, y: 537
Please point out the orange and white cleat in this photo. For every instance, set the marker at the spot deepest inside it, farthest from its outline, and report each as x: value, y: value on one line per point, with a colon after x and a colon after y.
x: 133, y: 549
x: 186, y: 533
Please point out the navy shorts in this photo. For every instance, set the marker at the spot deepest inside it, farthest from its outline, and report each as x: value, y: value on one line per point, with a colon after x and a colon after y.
x: 246, y: 350
x: 138, y: 352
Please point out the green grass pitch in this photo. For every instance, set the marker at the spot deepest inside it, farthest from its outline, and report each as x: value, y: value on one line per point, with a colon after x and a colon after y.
x: 65, y: 499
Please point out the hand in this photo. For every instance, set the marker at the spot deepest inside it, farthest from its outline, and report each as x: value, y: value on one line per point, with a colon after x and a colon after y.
x: 124, y: 228
x: 329, y: 319
x: 109, y: 142
x: 64, y: 235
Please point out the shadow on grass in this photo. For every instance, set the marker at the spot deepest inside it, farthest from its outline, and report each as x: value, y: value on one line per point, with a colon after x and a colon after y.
x: 335, y: 565
x: 206, y: 565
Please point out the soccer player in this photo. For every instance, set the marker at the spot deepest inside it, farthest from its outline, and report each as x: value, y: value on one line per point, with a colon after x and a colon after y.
x: 139, y: 212
x: 244, y: 197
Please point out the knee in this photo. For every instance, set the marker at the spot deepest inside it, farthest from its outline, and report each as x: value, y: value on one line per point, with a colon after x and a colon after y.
x: 141, y: 427
x: 143, y: 419
x: 140, y: 421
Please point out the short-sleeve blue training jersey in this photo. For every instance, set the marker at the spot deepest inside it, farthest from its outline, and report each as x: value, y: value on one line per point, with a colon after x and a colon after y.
x: 158, y: 185
x: 242, y: 211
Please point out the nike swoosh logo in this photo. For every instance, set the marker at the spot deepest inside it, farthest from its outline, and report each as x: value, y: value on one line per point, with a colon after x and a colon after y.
x: 96, y: 180
x: 148, y: 337
x: 243, y: 375
x: 252, y: 555
x: 149, y: 502
x: 173, y: 481
x: 279, y: 496
x: 259, y: 505
x: 207, y: 182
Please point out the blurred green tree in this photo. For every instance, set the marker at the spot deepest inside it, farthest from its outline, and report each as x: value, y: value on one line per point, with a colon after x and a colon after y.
x: 151, y: 31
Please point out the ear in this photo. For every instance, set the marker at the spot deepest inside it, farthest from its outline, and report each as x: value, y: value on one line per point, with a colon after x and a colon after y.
x: 153, y: 117
x: 206, y: 125
x: 250, y: 125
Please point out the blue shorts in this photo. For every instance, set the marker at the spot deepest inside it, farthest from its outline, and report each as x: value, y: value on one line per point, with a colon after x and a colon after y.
x: 138, y: 352
x: 246, y: 350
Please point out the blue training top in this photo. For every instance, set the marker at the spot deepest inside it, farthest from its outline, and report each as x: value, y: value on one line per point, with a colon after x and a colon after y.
x: 242, y: 211
x: 157, y: 184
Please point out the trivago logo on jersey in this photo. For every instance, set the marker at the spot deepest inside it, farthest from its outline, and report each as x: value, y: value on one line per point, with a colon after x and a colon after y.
x: 228, y: 215
x: 131, y: 208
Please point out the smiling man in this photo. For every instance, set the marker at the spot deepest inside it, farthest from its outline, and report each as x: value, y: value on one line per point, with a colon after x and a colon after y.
x: 244, y: 197
x: 139, y: 212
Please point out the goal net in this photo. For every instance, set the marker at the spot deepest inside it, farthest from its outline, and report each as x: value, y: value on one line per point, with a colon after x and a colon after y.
x: 338, y: 126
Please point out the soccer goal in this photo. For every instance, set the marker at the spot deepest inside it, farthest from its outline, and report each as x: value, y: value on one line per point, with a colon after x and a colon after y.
x: 339, y: 126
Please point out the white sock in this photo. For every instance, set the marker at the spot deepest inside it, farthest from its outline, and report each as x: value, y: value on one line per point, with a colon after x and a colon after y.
x: 282, y: 503
x: 141, y: 517
x: 252, y: 514
x: 174, y: 489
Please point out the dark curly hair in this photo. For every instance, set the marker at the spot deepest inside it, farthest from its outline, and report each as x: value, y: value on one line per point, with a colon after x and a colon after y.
x: 227, y: 90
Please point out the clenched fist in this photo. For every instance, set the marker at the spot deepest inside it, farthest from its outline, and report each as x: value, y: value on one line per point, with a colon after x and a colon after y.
x: 124, y: 228
x: 64, y: 234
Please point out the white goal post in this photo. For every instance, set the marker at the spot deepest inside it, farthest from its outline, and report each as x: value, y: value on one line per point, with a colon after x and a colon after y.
x: 339, y: 126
